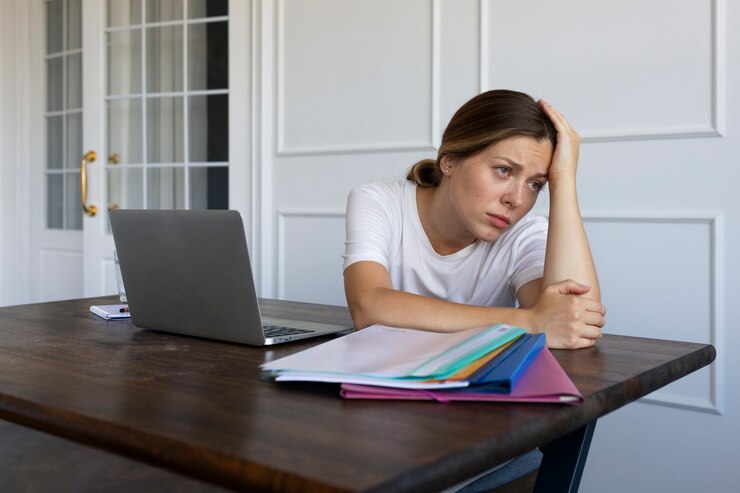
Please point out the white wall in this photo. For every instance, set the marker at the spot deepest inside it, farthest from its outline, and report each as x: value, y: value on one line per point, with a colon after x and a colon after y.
x: 359, y: 90
x: 15, y: 140
x: 3, y: 172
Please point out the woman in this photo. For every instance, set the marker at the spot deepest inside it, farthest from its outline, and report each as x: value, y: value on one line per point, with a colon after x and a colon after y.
x: 452, y: 247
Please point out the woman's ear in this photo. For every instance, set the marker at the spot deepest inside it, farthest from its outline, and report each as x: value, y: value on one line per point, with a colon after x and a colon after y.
x: 446, y: 165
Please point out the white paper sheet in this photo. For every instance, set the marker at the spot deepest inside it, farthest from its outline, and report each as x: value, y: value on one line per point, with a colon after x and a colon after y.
x: 380, y: 351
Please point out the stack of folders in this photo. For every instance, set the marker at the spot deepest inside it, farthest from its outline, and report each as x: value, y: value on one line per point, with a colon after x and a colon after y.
x: 499, y: 363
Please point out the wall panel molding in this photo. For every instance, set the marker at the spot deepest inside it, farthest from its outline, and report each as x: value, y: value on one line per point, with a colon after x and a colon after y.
x: 431, y: 144
x: 282, y: 216
x: 719, y: 71
x: 714, y: 128
x: 263, y: 244
x: 714, y: 220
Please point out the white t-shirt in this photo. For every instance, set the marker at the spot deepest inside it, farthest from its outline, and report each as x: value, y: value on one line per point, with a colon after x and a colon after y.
x: 383, y: 226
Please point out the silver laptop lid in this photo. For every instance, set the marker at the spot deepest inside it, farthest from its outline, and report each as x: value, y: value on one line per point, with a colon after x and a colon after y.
x: 188, y: 272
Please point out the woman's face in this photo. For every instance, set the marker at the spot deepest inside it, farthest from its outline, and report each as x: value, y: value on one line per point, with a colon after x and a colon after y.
x: 494, y: 189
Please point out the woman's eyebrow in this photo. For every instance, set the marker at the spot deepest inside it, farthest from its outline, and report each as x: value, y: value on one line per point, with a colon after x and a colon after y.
x: 520, y: 167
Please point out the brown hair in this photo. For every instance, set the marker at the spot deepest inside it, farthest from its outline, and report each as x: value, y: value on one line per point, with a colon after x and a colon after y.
x: 485, y: 120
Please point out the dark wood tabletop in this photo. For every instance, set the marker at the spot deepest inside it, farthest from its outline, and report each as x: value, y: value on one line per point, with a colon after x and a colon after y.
x: 202, y: 408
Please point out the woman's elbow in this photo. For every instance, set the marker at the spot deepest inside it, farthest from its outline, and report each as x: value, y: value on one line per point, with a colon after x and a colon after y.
x: 365, y: 286
x: 362, y: 317
x: 365, y: 307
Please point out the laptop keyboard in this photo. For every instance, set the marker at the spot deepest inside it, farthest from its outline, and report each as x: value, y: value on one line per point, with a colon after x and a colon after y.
x: 278, y: 331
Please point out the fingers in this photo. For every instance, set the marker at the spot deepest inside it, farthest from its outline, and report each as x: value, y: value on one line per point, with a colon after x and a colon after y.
x: 569, y: 286
x: 579, y: 343
x: 581, y: 326
x: 584, y: 336
x: 560, y: 122
x: 553, y: 113
x: 594, y: 306
x: 594, y: 319
x: 591, y: 332
x: 570, y: 321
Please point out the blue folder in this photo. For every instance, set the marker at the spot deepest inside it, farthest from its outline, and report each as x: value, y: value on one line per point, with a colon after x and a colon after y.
x: 501, y: 374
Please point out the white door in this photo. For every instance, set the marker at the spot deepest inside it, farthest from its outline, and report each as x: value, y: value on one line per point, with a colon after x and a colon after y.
x: 141, y: 121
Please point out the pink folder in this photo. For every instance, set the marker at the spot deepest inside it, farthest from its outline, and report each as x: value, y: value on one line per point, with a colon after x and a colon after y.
x: 544, y: 381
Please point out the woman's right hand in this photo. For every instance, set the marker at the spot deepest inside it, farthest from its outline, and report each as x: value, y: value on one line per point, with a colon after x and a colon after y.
x: 570, y: 321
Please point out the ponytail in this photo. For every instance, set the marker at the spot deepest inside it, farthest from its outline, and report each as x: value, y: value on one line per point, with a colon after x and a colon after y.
x: 425, y: 173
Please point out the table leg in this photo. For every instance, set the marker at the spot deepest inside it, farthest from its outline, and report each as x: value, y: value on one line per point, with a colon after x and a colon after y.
x: 563, y: 461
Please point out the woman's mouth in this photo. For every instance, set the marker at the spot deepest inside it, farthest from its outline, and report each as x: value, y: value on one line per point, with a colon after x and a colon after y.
x: 500, y: 222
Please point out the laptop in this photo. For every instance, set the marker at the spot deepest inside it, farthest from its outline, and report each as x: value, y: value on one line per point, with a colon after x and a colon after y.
x: 188, y: 272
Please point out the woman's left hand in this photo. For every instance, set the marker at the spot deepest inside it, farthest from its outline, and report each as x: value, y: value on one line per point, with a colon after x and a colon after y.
x: 565, y: 157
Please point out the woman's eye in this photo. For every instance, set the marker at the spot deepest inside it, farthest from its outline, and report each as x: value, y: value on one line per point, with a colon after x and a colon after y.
x: 503, y: 170
x: 536, y: 186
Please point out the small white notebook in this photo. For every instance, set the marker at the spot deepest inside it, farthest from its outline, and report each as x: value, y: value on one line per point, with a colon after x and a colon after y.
x: 111, y: 312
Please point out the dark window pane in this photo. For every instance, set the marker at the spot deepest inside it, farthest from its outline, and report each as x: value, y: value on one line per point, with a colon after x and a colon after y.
x: 54, y: 41
x: 74, y: 24
x: 54, y: 141
x: 55, y: 200
x: 74, y: 204
x: 207, y: 8
x: 74, y: 140
x: 209, y: 188
x: 209, y: 128
x: 54, y: 84
x: 208, y: 56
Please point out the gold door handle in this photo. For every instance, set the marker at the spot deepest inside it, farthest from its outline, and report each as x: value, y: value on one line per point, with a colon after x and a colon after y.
x: 88, y: 157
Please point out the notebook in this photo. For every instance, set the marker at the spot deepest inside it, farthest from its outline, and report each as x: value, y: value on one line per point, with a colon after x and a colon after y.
x: 188, y: 272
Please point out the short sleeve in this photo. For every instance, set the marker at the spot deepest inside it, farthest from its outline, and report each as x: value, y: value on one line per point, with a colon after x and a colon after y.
x: 528, y: 262
x: 369, y: 226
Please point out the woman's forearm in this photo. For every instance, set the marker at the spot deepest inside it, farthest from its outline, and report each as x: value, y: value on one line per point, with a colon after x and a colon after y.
x: 568, y: 254
x: 568, y: 321
x: 401, y: 309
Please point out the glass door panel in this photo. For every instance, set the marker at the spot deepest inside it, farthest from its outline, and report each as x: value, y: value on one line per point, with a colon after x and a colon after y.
x: 164, y: 60
x: 63, y: 65
x: 125, y: 131
x: 207, y: 8
x: 126, y: 188
x: 164, y: 10
x: 124, y: 62
x: 124, y: 13
x: 166, y: 188
x: 54, y: 142
x: 208, y: 128
x: 208, y: 55
x: 167, y: 104
x: 165, y: 135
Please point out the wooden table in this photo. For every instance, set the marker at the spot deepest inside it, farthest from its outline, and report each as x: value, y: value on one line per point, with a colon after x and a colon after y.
x: 201, y: 408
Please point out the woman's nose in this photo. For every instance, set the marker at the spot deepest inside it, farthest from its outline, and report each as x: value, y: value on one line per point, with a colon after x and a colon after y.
x: 513, y: 197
